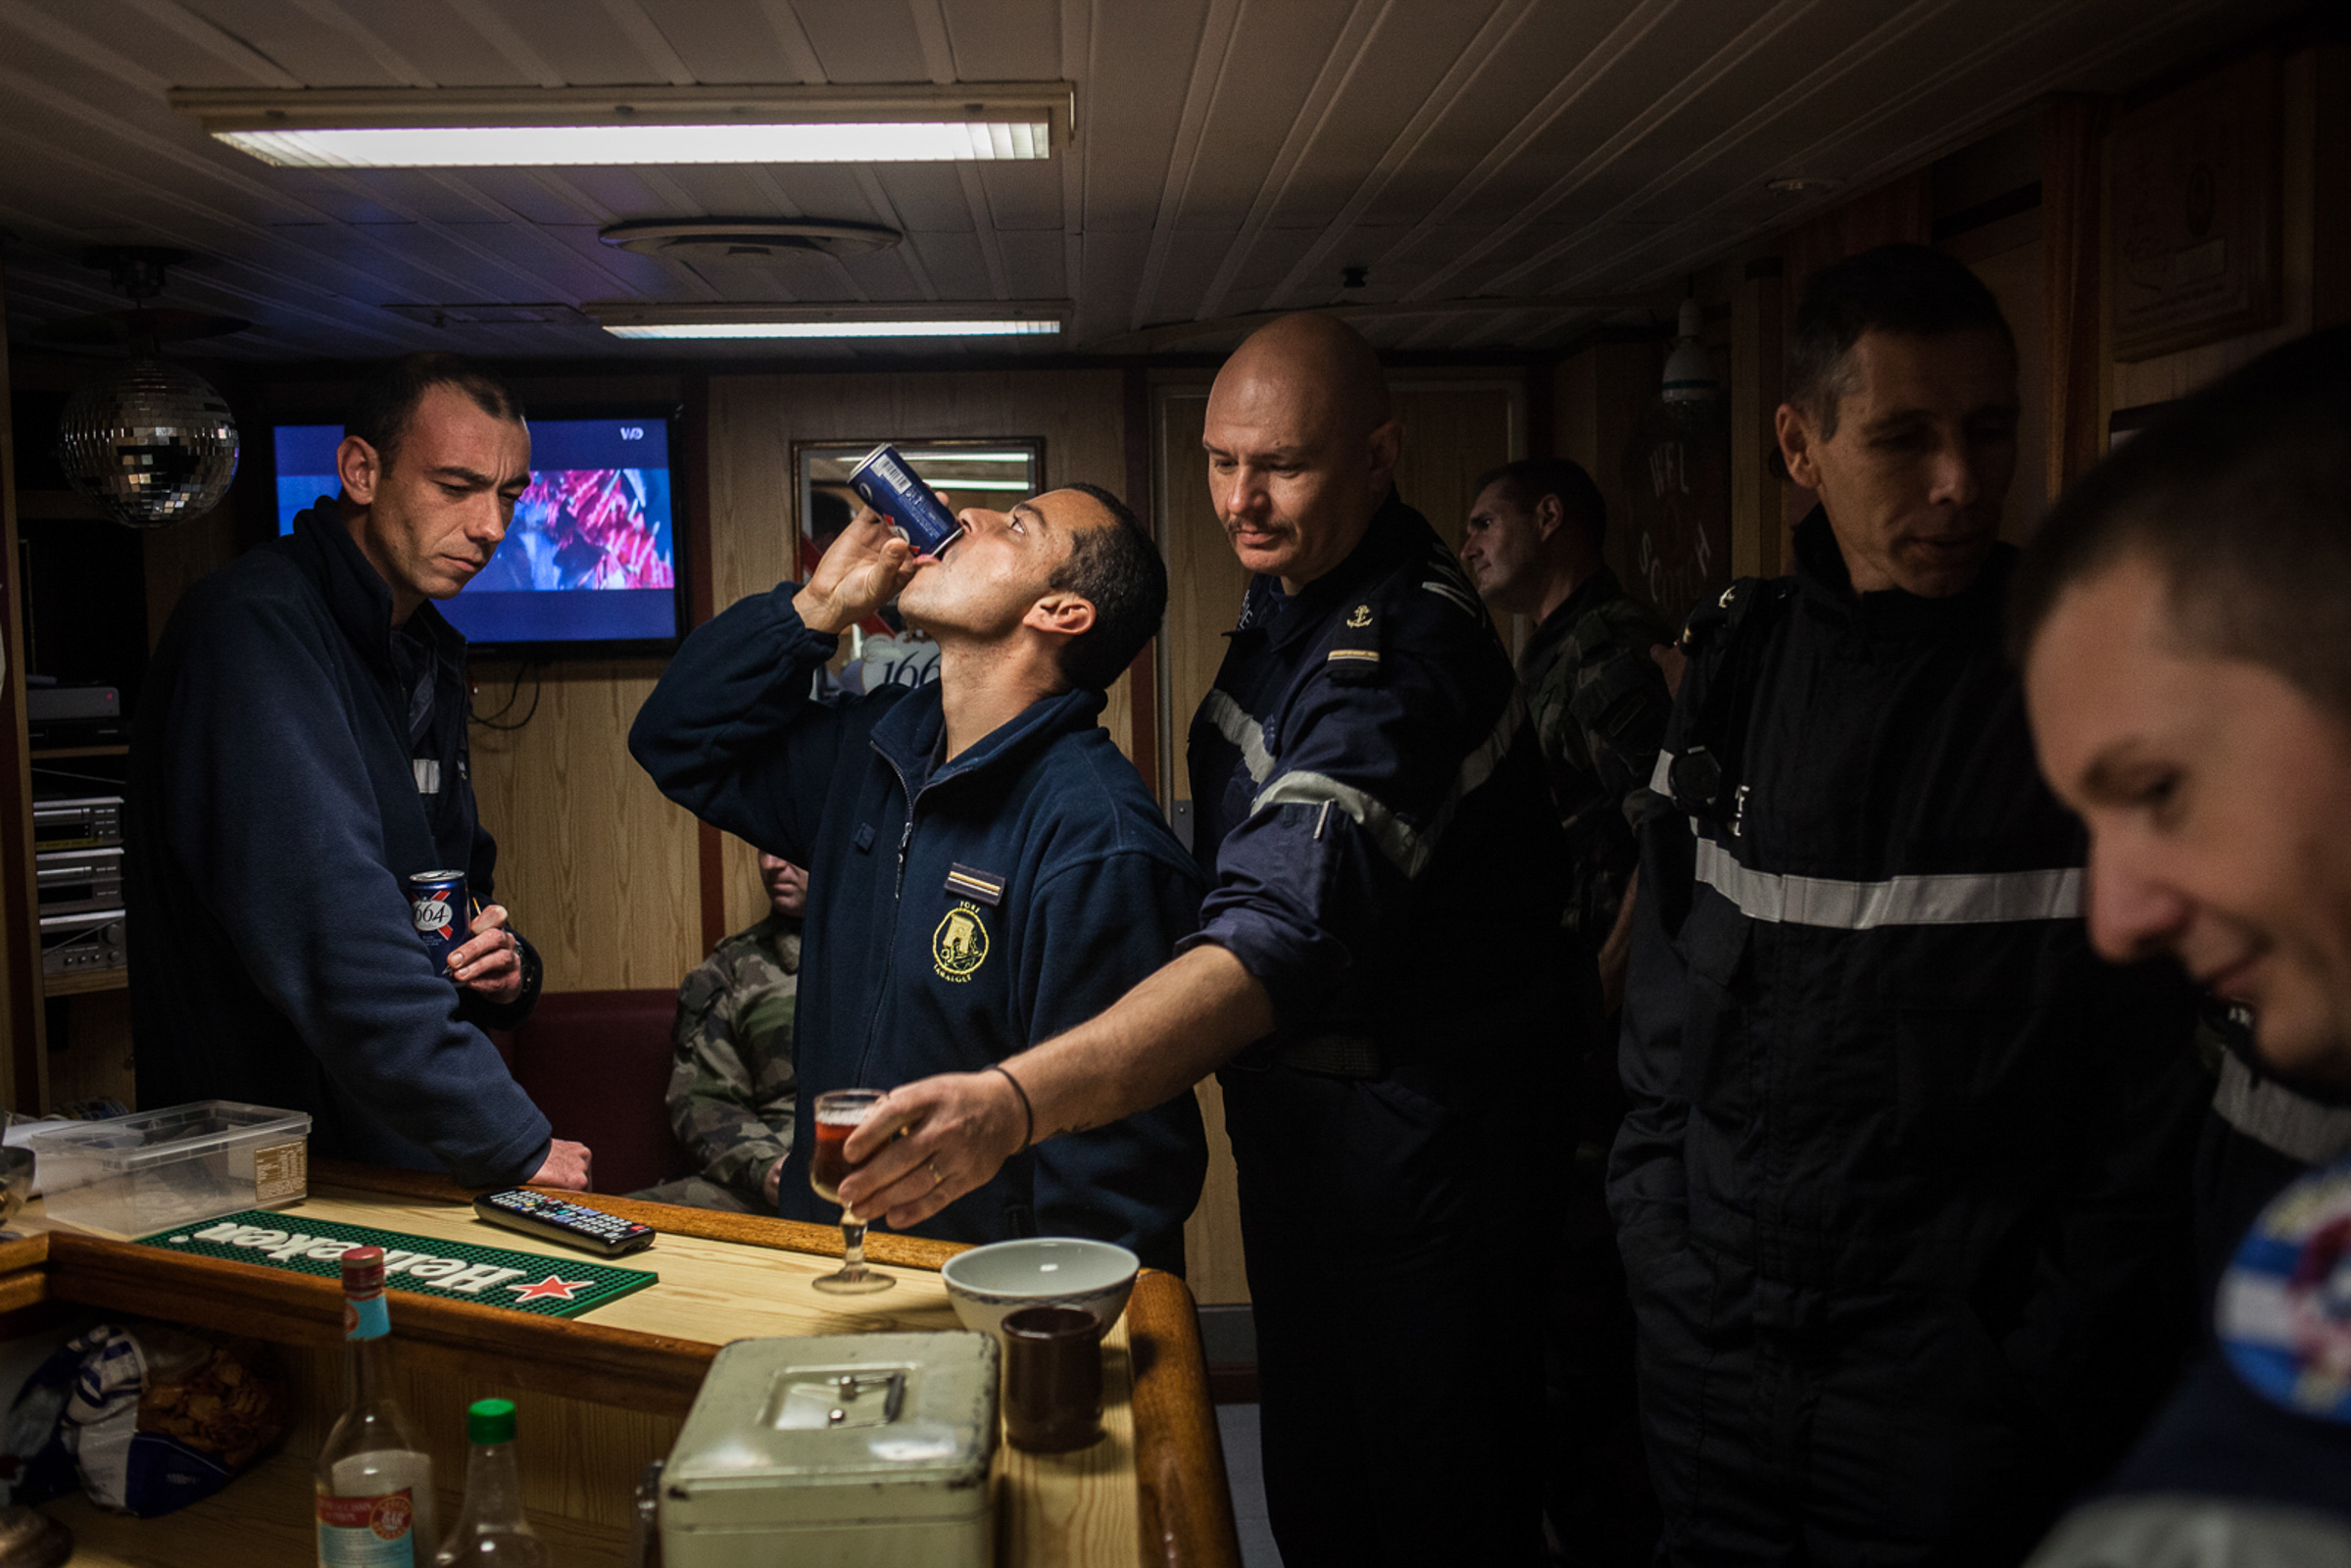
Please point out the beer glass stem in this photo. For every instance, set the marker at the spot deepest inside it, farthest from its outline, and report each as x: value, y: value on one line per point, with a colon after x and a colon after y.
x: 853, y: 1249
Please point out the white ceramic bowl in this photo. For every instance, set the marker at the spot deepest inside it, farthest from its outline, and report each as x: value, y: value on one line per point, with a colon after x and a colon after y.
x: 988, y: 1283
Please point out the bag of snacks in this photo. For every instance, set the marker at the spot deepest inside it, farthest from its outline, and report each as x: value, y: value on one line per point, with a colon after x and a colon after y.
x: 159, y: 1417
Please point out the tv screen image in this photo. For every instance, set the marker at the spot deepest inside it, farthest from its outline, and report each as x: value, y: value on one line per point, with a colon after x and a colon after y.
x: 591, y: 556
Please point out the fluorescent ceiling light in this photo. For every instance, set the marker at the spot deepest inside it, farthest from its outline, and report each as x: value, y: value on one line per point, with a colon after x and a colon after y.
x: 460, y: 128
x: 951, y: 484
x: 798, y: 329
x: 959, y: 455
x: 983, y: 318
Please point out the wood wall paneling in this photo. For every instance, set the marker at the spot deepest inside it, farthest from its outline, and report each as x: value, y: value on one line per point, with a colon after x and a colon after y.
x: 2173, y: 376
x: 599, y: 870
x: 1597, y: 397
x: 2073, y: 270
x: 1756, y: 346
x: 23, y: 1064
x: 2018, y: 277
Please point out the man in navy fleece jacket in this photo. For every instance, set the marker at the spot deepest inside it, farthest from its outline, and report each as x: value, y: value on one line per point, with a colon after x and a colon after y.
x: 299, y: 754
x: 984, y: 868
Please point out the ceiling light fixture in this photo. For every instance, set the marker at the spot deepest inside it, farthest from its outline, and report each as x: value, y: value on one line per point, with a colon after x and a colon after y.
x: 1016, y: 318
x: 747, y: 236
x: 435, y: 128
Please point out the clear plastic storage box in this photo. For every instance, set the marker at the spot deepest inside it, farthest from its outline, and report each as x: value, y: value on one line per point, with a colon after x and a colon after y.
x: 154, y: 1170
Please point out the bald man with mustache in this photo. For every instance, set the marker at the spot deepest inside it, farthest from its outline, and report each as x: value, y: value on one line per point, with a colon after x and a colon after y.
x: 1372, y: 984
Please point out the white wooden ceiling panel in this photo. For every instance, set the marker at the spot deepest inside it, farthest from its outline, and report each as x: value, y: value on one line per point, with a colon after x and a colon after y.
x: 1259, y: 91
x: 956, y: 264
x: 1502, y: 85
x: 1187, y: 262
x: 580, y: 42
x: 1004, y: 40
x: 1033, y: 266
x: 1130, y: 130
x: 318, y: 42
x: 727, y: 40
x: 928, y: 198
x: 865, y: 40
x: 1111, y: 275
x: 1232, y: 156
x: 529, y: 195
x: 1021, y: 196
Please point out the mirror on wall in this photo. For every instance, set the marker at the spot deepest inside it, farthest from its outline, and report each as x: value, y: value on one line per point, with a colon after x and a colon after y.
x: 994, y: 472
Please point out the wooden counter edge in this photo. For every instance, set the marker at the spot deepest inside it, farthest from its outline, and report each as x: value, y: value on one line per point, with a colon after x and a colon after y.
x: 1185, y: 1501
x: 553, y: 1355
x: 744, y: 1230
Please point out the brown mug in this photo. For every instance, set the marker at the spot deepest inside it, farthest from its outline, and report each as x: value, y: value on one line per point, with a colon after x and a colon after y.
x: 1052, y: 1379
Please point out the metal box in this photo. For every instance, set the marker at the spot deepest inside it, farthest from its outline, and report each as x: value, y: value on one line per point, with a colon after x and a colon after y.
x: 851, y: 1451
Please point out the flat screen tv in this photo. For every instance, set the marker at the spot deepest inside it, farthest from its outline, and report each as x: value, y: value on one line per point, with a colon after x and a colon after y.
x: 591, y: 562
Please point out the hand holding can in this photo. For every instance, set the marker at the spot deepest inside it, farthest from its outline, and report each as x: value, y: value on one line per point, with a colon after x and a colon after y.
x: 884, y: 481
x: 436, y: 902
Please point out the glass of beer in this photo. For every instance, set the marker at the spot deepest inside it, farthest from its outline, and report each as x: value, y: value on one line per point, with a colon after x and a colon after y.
x: 838, y: 1114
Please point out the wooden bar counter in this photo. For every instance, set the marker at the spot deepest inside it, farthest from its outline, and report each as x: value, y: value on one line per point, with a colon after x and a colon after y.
x: 603, y: 1395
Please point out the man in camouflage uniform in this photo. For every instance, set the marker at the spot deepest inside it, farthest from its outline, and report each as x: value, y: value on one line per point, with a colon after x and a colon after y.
x: 1599, y: 704
x: 732, y: 1092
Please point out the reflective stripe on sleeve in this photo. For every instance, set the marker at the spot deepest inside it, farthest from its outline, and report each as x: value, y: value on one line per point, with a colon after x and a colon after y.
x: 1406, y: 848
x: 1958, y: 899
x: 2270, y: 1113
x: 1661, y: 776
x: 1242, y: 731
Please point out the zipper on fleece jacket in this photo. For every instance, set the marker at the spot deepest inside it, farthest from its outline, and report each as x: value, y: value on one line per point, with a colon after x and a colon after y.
x: 881, y: 991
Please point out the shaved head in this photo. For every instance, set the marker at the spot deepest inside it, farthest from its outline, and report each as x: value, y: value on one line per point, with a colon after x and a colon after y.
x: 1320, y: 363
x: 1301, y: 441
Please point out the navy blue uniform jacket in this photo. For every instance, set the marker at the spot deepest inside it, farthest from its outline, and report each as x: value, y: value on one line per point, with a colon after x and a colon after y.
x: 958, y: 914
x: 1866, y: 1043
x: 1386, y: 857
x: 276, y: 807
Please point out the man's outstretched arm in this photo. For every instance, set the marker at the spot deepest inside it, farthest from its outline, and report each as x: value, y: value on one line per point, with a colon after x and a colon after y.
x: 1192, y: 1016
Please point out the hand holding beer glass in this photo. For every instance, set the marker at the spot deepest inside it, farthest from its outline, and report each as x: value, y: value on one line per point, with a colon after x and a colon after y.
x: 838, y: 1114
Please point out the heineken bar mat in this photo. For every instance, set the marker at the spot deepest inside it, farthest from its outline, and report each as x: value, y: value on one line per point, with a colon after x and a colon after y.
x: 420, y: 1265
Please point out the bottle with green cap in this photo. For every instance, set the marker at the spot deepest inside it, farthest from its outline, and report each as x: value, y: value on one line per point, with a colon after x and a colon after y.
x: 490, y: 1531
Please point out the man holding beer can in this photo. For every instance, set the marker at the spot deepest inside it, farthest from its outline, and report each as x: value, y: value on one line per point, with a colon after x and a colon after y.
x: 299, y: 760
x: 984, y: 868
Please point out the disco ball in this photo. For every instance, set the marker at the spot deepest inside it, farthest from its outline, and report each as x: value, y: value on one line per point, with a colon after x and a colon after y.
x: 150, y: 443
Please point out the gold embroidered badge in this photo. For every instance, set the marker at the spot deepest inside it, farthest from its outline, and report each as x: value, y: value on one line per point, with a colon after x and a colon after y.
x: 961, y: 944
x: 1360, y: 619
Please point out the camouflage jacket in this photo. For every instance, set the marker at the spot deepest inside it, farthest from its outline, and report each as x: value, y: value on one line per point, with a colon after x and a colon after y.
x: 1599, y: 706
x: 732, y: 1091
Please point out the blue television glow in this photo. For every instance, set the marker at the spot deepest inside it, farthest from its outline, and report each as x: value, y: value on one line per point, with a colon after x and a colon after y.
x: 591, y: 557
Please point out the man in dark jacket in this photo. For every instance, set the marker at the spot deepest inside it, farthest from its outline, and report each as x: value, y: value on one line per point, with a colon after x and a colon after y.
x: 1903, y: 1189
x: 984, y: 868
x: 299, y: 754
x: 1372, y: 983
x: 2185, y: 618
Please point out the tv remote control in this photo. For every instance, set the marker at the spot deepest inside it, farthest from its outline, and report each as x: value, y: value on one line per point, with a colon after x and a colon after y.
x: 554, y: 1220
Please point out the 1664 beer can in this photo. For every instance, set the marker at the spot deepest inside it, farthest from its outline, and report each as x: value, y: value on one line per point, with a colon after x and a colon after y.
x: 436, y: 903
x: 884, y: 481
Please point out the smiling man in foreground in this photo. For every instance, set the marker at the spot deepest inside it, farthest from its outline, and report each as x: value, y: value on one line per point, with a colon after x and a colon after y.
x: 984, y: 868
x: 299, y: 754
x: 2185, y: 621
